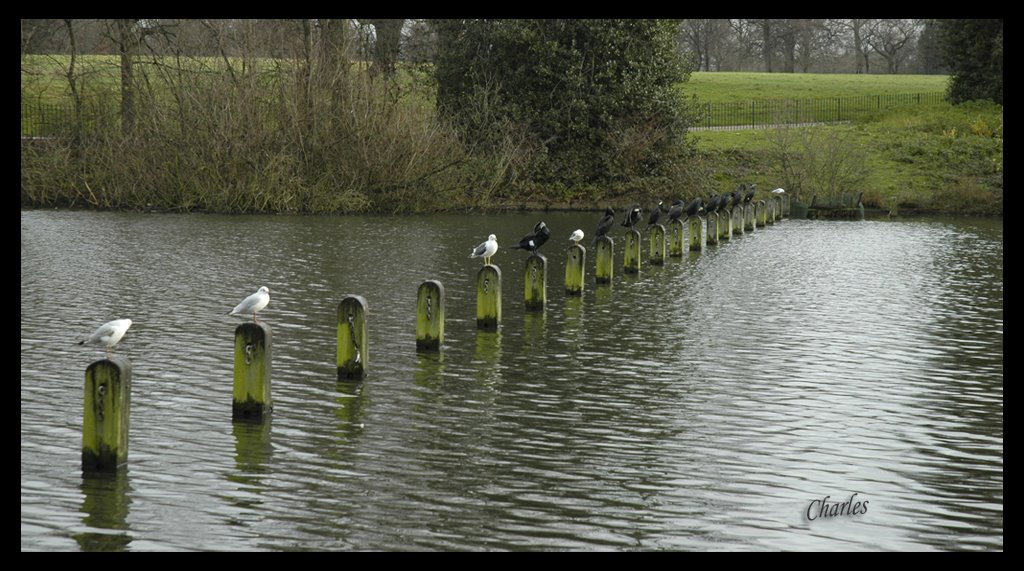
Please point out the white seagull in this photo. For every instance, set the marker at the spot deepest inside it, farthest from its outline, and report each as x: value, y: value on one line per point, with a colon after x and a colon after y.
x: 108, y: 334
x: 486, y: 249
x: 577, y: 235
x: 779, y: 191
x: 253, y: 303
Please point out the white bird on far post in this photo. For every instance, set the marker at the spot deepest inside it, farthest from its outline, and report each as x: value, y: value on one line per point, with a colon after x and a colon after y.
x: 253, y: 303
x: 108, y: 334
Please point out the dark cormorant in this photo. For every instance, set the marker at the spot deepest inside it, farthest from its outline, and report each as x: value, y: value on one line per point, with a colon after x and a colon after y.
x: 655, y: 215
x: 604, y: 224
x: 675, y: 211
x: 534, y: 239
x: 632, y: 216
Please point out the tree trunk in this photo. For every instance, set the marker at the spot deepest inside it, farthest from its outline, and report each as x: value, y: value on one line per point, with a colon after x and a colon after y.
x: 386, y: 46
x: 127, y: 42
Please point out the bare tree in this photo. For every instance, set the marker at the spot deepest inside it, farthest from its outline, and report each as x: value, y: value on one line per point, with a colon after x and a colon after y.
x: 892, y: 39
x: 742, y: 39
x: 860, y: 34
x: 704, y: 38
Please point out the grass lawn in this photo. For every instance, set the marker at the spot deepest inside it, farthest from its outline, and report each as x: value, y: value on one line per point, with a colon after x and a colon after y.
x: 725, y: 87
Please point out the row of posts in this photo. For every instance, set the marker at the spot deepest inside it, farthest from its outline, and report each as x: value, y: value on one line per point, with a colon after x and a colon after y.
x: 108, y: 382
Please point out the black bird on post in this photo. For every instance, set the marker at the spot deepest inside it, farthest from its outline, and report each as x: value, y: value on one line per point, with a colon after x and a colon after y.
x: 632, y: 216
x: 534, y: 239
x: 655, y: 215
x: 750, y: 194
x: 712, y: 205
x: 604, y: 224
x: 694, y: 207
x: 737, y: 195
x: 676, y: 210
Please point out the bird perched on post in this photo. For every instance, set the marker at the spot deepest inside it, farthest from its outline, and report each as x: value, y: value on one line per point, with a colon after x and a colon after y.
x: 632, y: 216
x: 712, y: 205
x: 737, y: 195
x: 604, y: 224
x: 486, y: 249
x: 750, y: 194
x: 534, y: 239
x: 676, y: 210
x: 576, y: 236
x: 779, y: 191
x: 108, y: 334
x: 694, y: 207
x: 655, y: 215
x: 253, y: 303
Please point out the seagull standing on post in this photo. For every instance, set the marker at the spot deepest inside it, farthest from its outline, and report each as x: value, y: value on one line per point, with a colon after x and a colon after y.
x: 253, y: 303
x: 108, y: 334
x: 486, y: 249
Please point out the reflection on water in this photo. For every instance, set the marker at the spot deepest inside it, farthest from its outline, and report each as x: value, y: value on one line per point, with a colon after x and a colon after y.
x: 701, y: 405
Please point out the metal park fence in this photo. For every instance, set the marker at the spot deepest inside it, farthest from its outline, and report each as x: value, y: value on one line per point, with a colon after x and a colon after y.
x: 769, y: 112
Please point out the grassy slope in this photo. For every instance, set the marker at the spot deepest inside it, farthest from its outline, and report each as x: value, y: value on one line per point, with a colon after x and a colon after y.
x: 939, y: 157
x: 721, y: 87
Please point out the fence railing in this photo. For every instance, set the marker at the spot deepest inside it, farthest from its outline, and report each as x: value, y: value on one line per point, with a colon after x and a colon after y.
x: 61, y: 119
x: 51, y: 120
x: 768, y: 112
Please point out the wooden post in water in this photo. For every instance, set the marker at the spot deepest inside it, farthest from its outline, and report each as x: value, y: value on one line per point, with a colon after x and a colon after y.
x: 748, y: 217
x: 575, y: 263
x: 108, y: 385
x: 353, y: 349
x: 251, y: 393
x: 761, y: 213
x: 675, y: 244
x: 488, y: 298
x: 737, y: 220
x: 657, y: 238
x: 724, y: 225
x: 785, y: 206
x: 536, y: 282
x: 430, y: 316
x: 696, y: 233
x: 712, y: 229
x: 604, y: 270
x: 631, y: 258
x: 770, y: 209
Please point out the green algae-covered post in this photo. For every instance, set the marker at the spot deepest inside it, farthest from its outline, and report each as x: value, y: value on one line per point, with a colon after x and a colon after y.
x: 769, y: 216
x: 488, y: 298
x: 675, y: 244
x: 748, y: 217
x: 696, y: 233
x: 657, y: 237
x: 712, y: 235
x: 631, y: 258
x: 430, y: 316
x: 108, y: 385
x: 353, y: 349
x: 251, y: 393
x: 785, y: 206
x: 761, y: 213
x: 724, y: 225
x: 603, y: 264
x: 575, y: 260
x: 536, y: 282
x: 737, y: 220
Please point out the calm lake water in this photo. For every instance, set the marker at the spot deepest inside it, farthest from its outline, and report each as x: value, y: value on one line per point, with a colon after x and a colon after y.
x: 709, y: 404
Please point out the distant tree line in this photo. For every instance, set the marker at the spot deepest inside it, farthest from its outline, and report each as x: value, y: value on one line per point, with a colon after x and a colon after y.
x: 768, y: 44
x: 790, y: 45
x: 317, y: 115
